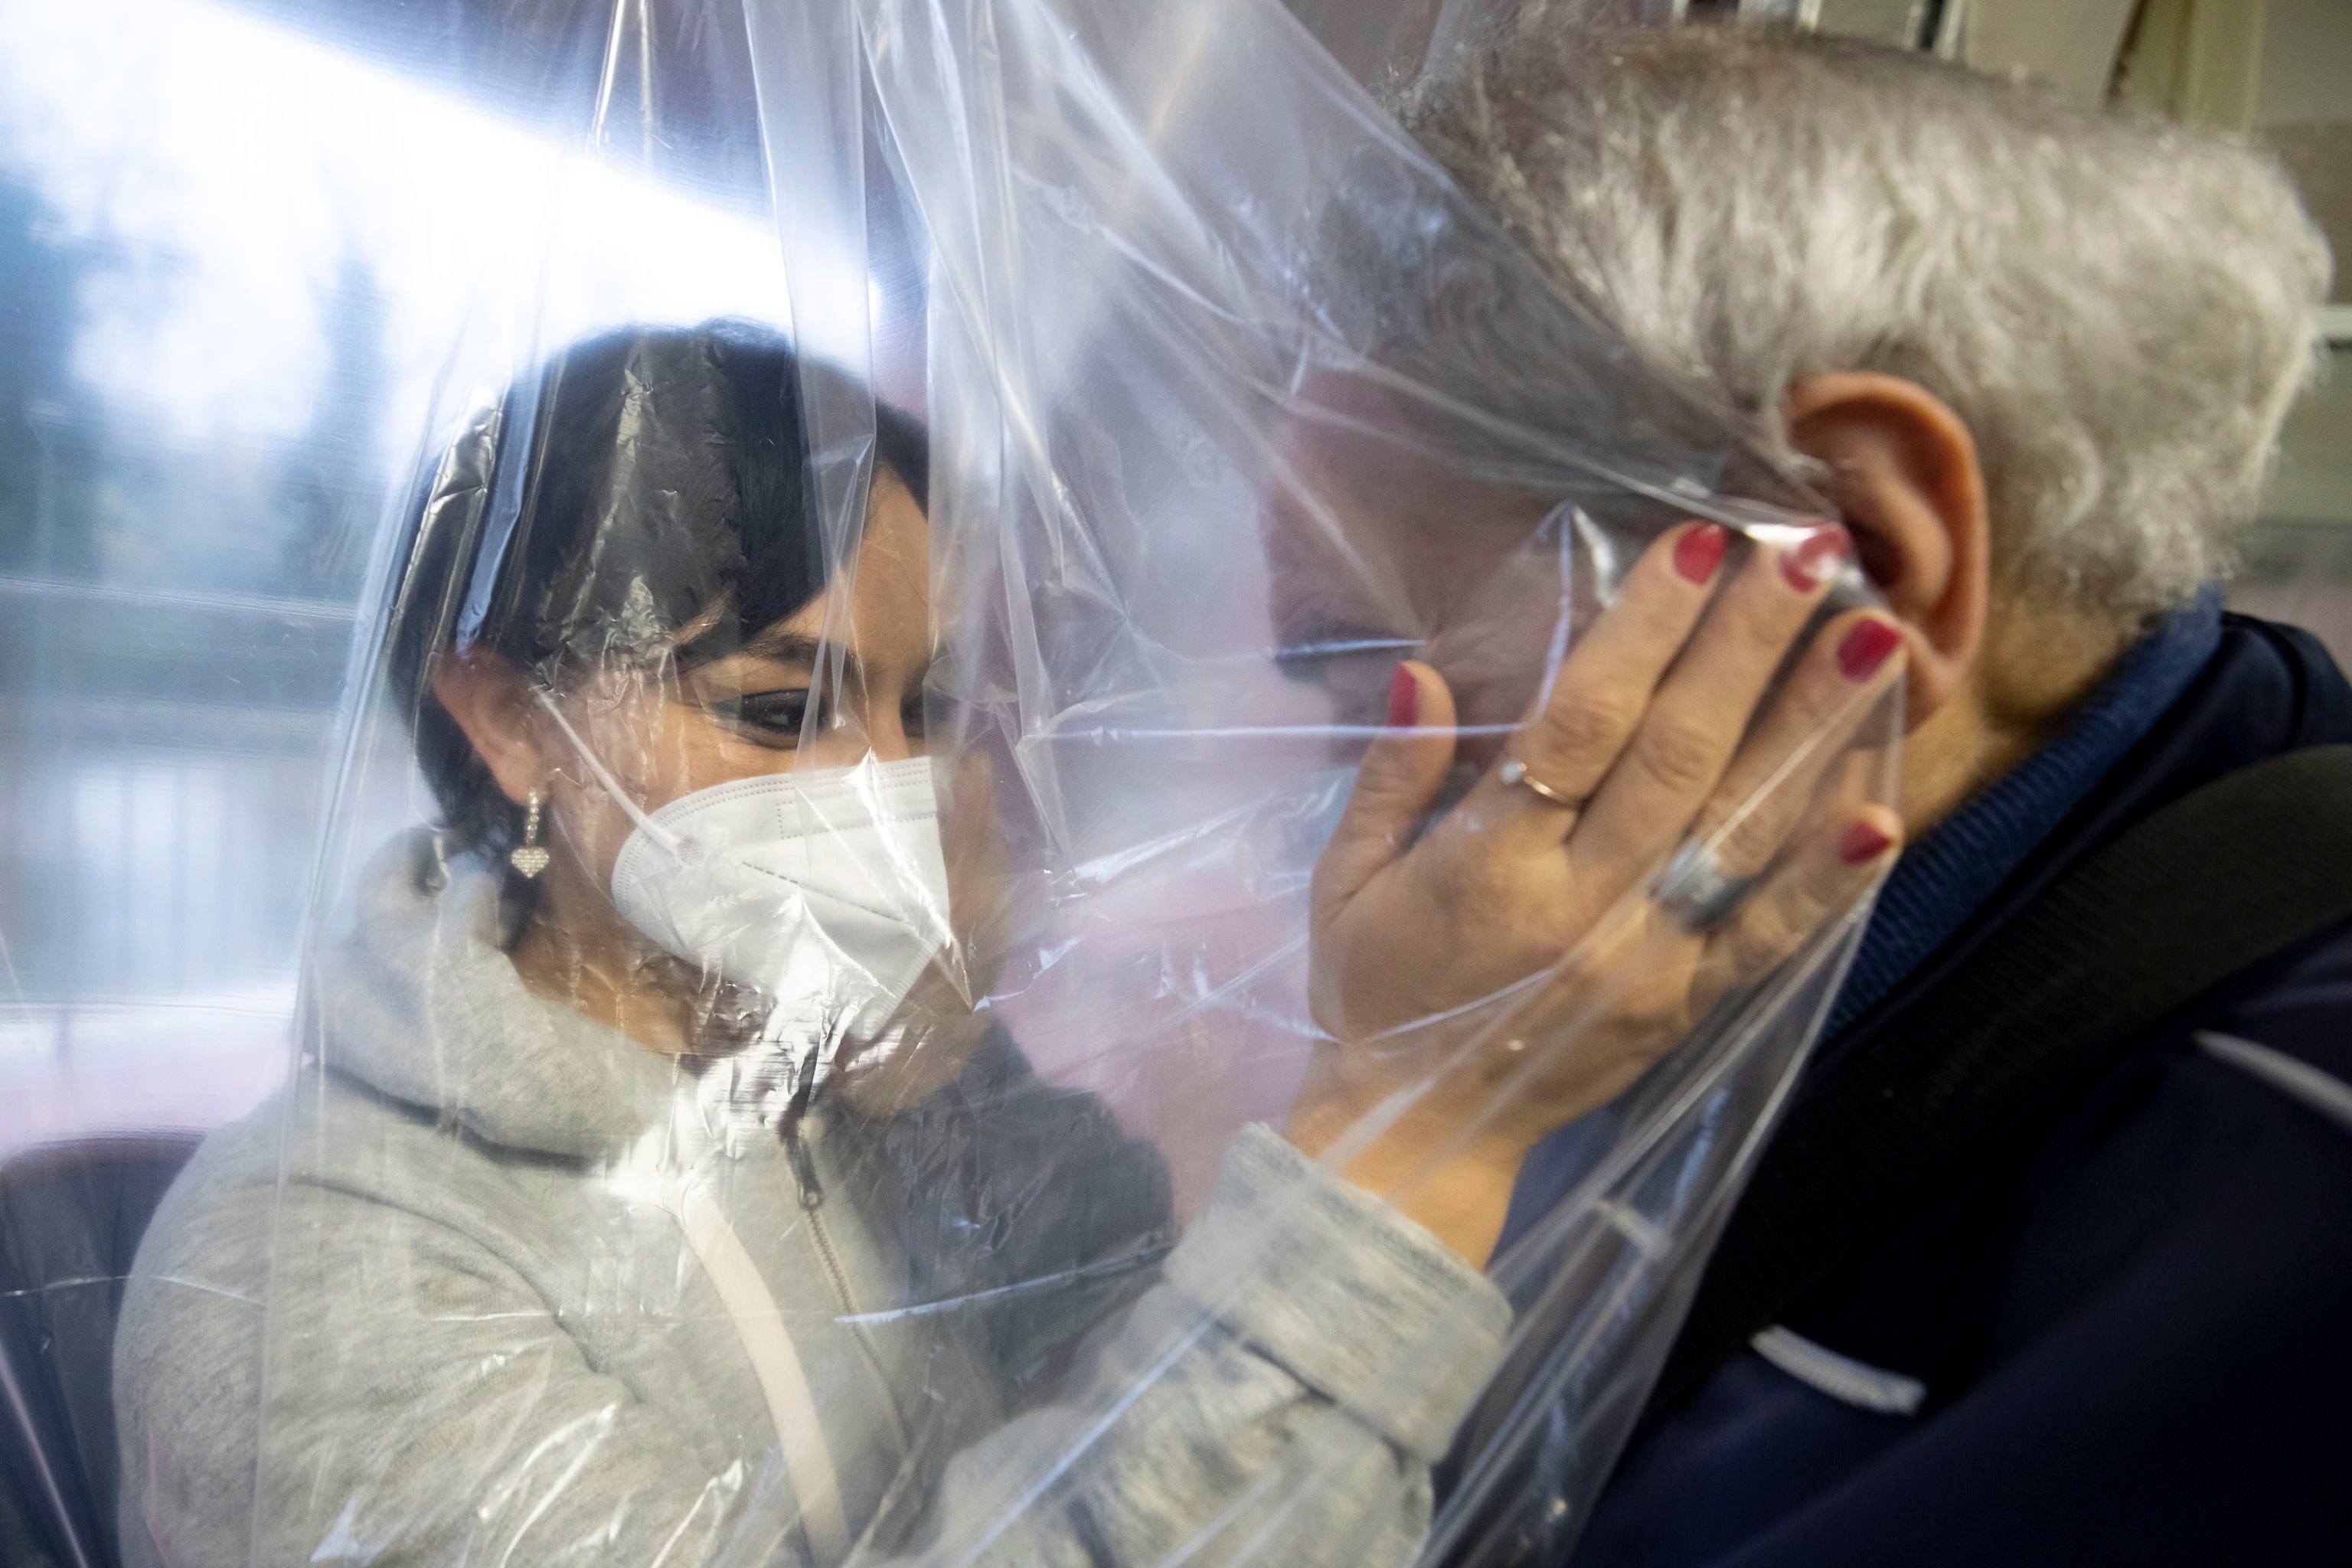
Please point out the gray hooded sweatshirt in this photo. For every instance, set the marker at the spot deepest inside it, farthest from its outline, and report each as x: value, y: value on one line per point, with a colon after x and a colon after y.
x: 489, y: 1284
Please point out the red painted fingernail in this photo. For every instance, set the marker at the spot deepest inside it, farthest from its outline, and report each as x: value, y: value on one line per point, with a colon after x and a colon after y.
x: 1864, y: 842
x: 1866, y: 648
x: 1817, y: 560
x: 1698, y: 552
x: 1404, y: 698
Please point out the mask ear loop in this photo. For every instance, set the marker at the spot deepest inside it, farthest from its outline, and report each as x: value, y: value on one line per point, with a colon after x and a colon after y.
x: 661, y: 837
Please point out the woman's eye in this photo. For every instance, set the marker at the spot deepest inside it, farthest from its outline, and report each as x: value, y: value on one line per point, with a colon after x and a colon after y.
x: 778, y: 716
x: 1354, y: 665
x: 1357, y: 683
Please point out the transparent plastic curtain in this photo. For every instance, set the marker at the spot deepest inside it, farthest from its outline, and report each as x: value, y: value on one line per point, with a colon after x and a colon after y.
x: 818, y: 1040
x: 1163, y: 233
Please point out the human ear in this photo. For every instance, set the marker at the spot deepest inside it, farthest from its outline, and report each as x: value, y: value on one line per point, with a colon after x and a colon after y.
x: 1906, y: 476
x: 489, y: 701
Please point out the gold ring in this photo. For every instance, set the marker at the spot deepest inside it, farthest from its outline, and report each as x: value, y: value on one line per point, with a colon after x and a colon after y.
x: 1515, y: 772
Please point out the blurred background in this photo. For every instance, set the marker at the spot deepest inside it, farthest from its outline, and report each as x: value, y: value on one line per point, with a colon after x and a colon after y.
x: 237, y: 242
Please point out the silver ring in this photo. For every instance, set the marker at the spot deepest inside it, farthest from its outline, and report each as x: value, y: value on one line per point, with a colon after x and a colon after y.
x: 1515, y: 772
x: 1695, y: 889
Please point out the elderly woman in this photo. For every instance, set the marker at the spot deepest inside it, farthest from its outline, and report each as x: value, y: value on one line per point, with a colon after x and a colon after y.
x: 2040, y: 358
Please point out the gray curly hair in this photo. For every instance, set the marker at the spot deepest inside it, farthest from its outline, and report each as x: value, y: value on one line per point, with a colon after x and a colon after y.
x: 2120, y: 309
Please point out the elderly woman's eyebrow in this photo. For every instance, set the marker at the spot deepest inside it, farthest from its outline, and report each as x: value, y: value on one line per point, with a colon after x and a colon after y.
x: 1333, y: 638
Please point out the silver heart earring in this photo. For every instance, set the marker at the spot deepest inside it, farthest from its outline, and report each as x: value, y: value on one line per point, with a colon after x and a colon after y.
x: 529, y: 857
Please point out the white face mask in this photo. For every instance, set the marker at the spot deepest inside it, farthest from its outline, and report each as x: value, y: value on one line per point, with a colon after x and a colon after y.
x: 826, y: 890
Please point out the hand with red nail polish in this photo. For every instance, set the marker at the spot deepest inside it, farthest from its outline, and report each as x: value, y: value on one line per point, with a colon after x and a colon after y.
x: 1679, y: 729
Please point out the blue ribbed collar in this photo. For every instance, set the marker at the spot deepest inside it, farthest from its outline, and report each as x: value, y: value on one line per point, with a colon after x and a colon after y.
x: 1964, y: 859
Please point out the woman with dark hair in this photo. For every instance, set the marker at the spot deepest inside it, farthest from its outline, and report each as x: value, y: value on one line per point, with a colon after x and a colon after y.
x: 666, y: 582
x: 625, y: 1214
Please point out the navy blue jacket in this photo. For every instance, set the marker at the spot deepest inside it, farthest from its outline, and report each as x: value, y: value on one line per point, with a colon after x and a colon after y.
x: 2134, y: 1338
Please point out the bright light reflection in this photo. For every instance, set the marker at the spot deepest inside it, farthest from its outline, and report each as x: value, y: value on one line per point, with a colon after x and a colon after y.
x: 237, y: 167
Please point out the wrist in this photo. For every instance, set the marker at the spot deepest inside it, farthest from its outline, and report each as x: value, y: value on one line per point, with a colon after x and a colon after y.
x: 1444, y: 1164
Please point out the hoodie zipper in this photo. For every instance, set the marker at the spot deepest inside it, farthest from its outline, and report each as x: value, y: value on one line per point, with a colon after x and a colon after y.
x: 803, y: 1162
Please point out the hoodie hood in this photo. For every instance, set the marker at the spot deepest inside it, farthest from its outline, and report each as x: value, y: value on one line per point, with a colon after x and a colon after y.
x: 420, y: 1004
